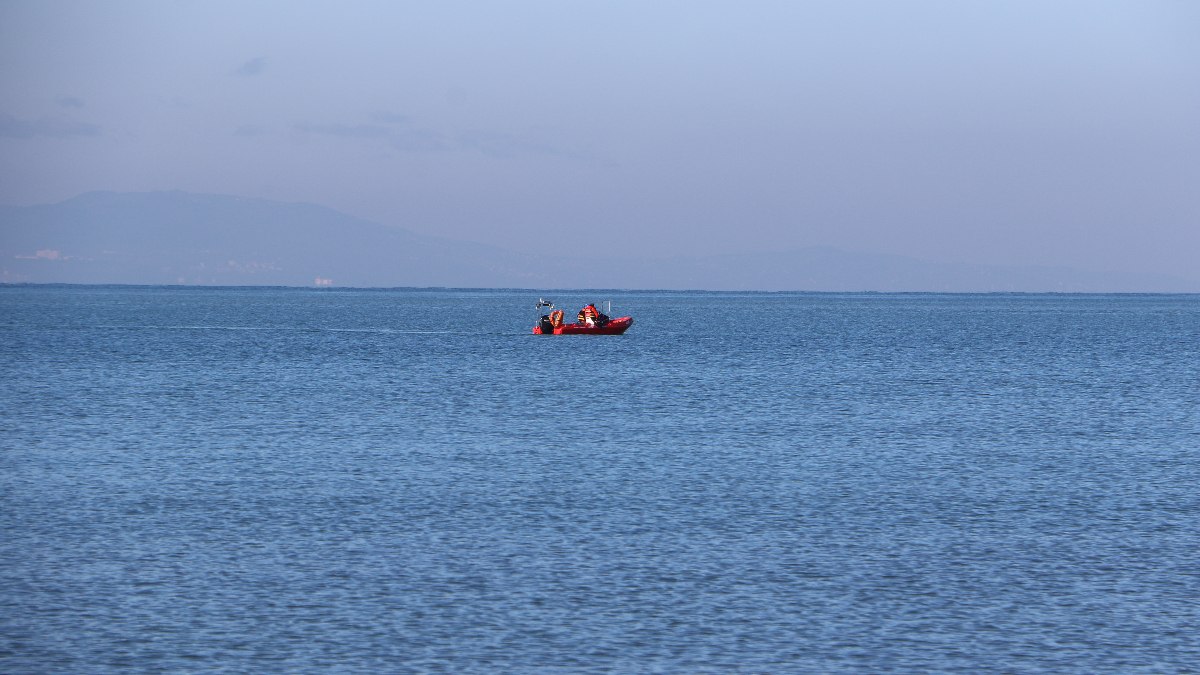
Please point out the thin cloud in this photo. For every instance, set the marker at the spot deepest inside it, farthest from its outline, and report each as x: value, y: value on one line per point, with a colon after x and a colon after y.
x: 408, y: 137
x: 502, y: 145
x: 393, y: 128
x: 385, y: 117
x: 401, y: 133
x: 418, y: 140
x: 46, y: 127
x: 344, y: 130
x: 251, y: 68
x: 506, y: 146
x: 70, y: 101
x: 247, y: 130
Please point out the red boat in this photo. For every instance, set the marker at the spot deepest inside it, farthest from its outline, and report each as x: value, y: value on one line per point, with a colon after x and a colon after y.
x: 597, y: 324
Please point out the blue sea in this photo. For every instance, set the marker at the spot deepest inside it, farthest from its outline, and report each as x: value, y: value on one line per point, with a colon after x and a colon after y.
x: 253, y: 480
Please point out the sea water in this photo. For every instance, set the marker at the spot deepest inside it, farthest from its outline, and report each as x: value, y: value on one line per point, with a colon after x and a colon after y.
x: 290, y: 480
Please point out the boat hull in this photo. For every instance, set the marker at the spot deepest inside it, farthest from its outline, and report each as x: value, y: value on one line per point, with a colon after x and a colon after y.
x: 613, y: 327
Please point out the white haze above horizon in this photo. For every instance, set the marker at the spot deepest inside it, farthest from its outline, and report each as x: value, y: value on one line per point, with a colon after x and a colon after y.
x: 1015, y: 133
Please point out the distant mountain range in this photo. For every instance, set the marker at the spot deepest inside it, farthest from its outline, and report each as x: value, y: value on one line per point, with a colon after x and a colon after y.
x: 184, y: 238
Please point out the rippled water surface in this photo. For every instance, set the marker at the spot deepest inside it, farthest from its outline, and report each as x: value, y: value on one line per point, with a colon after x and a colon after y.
x: 269, y: 480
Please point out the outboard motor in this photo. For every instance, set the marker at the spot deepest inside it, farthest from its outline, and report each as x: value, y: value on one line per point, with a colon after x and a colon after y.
x: 545, y: 325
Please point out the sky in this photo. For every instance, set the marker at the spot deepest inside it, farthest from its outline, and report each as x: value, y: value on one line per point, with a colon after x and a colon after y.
x: 1014, y: 132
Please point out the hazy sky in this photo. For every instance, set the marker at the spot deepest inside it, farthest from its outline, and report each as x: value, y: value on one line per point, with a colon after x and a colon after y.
x: 1040, y: 132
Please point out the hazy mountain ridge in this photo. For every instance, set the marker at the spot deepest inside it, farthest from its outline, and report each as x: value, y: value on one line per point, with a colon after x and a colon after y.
x: 177, y: 237
x: 185, y: 238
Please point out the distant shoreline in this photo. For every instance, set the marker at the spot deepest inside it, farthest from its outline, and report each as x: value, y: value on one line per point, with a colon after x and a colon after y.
x: 534, y: 291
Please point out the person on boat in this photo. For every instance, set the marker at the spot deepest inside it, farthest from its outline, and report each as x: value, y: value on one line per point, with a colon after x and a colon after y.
x: 591, y: 316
